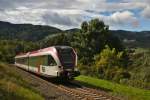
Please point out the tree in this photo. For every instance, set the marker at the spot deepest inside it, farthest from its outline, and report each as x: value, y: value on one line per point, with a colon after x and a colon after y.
x: 90, y: 40
x: 84, y: 27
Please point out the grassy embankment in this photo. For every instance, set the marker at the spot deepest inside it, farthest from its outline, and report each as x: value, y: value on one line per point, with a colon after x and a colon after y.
x: 13, y: 87
x: 126, y: 92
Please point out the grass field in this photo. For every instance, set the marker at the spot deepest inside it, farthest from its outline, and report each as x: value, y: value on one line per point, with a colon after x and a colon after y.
x: 126, y: 92
x: 13, y: 87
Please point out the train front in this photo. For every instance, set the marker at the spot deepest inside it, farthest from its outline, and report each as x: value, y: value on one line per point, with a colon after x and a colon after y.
x: 68, y: 60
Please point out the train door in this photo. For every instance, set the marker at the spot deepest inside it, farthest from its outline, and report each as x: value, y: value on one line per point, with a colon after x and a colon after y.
x: 51, y: 67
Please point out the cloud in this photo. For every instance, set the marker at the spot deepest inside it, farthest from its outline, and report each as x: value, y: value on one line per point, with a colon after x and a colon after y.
x: 60, y: 19
x: 70, y: 13
x: 146, y: 12
x: 120, y: 18
x: 23, y: 15
x: 145, y: 5
x: 99, y: 5
x: 63, y: 18
x: 73, y: 18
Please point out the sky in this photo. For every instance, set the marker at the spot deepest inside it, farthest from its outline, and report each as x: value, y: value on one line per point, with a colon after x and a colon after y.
x: 132, y: 15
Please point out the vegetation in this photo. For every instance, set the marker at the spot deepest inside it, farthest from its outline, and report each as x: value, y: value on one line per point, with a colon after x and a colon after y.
x: 92, y: 38
x: 106, y: 53
x: 9, y: 48
x: 140, y: 69
x: 102, y: 53
x: 110, y: 65
x: 126, y: 92
x: 13, y: 87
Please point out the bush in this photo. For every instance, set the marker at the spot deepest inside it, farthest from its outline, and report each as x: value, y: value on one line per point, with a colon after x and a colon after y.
x: 109, y: 64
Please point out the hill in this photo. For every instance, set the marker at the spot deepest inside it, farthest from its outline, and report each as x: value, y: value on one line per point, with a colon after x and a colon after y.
x: 133, y: 39
x: 27, y: 32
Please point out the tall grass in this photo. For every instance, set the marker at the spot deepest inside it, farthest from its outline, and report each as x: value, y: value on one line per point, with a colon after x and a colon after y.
x: 13, y: 87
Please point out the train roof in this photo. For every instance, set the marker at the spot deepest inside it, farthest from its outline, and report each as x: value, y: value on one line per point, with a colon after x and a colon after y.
x: 62, y: 47
x: 41, y: 50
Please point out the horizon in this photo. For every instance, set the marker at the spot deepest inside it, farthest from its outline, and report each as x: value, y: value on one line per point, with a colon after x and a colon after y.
x: 65, y: 14
x: 73, y: 28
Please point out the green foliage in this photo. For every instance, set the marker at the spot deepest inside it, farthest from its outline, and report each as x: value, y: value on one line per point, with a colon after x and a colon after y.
x: 84, y: 42
x: 140, y: 68
x: 84, y: 27
x: 96, y: 25
x: 10, y: 48
x: 92, y: 38
x: 108, y: 57
x: 59, y: 39
x: 101, y: 54
x: 109, y: 64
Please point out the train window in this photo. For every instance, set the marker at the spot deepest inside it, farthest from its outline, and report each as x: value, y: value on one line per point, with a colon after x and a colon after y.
x: 45, y: 60
x: 51, y: 61
x: 38, y: 60
x: 22, y: 61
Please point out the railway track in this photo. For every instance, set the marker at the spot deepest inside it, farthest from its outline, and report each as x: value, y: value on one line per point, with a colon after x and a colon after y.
x: 76, y: 90
x: 85, y: 93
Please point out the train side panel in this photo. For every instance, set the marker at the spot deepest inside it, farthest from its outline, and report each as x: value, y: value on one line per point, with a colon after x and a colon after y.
x: 43, y: 64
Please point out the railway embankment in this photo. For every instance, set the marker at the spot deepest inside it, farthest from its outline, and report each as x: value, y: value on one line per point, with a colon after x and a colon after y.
x: 16, y: 84
x: 14, y: 87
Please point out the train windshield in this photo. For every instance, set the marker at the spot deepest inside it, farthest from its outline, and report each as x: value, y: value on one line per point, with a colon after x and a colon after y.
x: 67, y: 57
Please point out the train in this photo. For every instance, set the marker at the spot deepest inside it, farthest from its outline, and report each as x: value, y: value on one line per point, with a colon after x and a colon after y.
x: 54, y: 61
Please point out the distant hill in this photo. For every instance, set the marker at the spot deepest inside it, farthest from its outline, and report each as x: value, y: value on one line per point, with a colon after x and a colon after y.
x: 29, y: 32
x: 26, y: 32
x: 72, y: 30
x: 134, y: 39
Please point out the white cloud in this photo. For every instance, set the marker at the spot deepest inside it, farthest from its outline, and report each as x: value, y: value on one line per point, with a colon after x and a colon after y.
x: 64, y: 18
x: 119, y: 18
x: 70, y: 13
x: 99, y: 5
x: 23, y: 16
x: 146, y: 12
x: 122, y: 17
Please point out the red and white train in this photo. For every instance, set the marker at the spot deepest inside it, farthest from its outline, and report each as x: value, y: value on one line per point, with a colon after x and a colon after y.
x: 56, y: 61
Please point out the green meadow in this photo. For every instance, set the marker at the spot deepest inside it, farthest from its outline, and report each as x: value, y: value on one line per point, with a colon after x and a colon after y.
x: 123, y: 91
